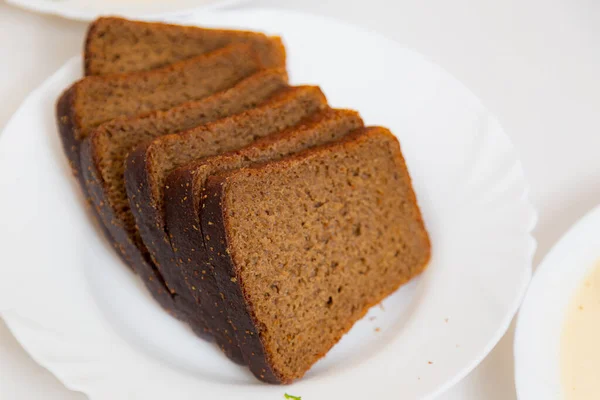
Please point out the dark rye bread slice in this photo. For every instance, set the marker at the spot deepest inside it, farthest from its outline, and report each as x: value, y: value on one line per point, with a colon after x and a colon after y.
x: 94, y: 100
x: 103, y: 156
x: 116, y: 45
x: 182, y: 198
x: 302, y: 247
x: 149, y: 165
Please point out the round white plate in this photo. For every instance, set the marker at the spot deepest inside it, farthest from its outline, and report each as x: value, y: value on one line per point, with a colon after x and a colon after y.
x: 540, y: 321
x: 85, y: 317
x: 88, y: 10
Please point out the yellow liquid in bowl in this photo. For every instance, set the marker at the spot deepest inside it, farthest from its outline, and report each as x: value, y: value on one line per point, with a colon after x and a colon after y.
x: 580, y: 342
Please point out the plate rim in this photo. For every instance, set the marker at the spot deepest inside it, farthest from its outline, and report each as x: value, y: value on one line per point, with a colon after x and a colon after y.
x: 533, y: 214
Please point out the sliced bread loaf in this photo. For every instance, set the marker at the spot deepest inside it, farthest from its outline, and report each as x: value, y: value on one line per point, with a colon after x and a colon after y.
x: 103, y: 153
x: 302, y: 247
x: 103, y: 156
x: 94, y: 100
x: 116, y: 45
x: 149, y: 165
x: 182, y: 198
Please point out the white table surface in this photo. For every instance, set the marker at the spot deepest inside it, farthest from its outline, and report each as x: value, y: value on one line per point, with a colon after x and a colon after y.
x: 534, y: 63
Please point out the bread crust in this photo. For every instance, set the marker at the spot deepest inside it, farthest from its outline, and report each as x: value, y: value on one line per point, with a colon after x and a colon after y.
x: 189, y: 248
x: 87, y: 48
x: 71, y: 147
x: 65, y: 120
x: 226, y: 276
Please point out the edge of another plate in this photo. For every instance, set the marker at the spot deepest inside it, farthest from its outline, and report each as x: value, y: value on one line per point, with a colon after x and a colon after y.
x: 81, y: 13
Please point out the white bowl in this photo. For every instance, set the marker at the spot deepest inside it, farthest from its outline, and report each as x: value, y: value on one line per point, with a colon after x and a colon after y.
x: 540, y: 321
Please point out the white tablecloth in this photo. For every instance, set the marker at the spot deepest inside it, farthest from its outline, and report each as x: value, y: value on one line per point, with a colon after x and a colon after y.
x: 533, y: 63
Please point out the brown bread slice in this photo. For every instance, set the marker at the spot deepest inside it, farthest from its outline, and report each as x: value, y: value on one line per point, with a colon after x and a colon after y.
x: 103, y: 156
x: 302, y: 247
x: 182, y: 197
x: 149, y: 165
x: 94, y: 100
x: 116, y: 45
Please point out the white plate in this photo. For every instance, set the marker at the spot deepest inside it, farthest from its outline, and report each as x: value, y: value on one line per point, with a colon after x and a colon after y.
x: 88, y: 10
x: 85, y: 317
x: 540, y: 321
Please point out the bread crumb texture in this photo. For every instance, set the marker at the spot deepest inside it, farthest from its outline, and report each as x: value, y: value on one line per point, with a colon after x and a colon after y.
x: 319, y: 238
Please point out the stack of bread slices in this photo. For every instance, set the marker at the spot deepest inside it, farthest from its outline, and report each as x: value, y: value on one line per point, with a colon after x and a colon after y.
x: 252, y: 210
